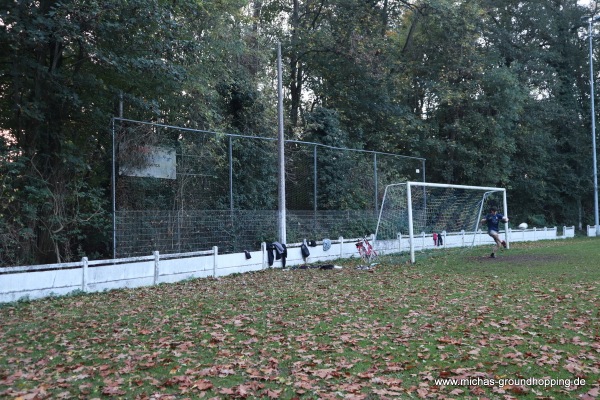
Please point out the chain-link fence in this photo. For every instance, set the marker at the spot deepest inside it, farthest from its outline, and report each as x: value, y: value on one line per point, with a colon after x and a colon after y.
x: 179, y: 189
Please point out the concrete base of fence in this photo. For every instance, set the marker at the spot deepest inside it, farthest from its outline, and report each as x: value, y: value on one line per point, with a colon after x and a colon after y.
x: 39, y: 281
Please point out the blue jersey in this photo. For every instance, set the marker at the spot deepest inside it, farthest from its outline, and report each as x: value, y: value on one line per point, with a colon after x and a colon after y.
x: 493, y: 221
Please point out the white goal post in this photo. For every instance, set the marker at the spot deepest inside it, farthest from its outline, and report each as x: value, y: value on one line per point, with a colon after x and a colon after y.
x: 437, y: 210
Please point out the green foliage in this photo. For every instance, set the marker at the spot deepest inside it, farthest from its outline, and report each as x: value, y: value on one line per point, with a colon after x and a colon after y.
x: 491, y: 92
x: 334, y: 190
x: 66, y: 67
x: 551, y: 168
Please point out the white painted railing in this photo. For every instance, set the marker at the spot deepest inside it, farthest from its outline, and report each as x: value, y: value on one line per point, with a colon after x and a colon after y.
x: 39, y: 281
x: 425, y: 241
x: 591, y: 230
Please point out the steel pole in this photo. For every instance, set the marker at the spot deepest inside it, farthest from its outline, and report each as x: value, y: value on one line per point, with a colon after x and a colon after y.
x: 114, y: 190
x: 596, y: 221
x: 281, y: 147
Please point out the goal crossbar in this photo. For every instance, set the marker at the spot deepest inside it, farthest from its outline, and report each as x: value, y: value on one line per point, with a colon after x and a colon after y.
x: 448, y: 185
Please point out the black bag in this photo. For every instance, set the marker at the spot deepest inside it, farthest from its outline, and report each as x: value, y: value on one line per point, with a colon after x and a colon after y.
x: 304, y: 250
x: 327, y: 266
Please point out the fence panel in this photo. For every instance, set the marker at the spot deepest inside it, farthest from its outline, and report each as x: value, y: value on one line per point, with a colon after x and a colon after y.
x: 180, y: 190
x: 33, y: 282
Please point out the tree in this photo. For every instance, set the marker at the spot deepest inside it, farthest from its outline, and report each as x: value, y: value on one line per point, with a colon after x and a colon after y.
x: 64, y: 65
x: 539, y: 42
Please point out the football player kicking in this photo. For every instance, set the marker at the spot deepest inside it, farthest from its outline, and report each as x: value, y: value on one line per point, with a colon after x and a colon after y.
x: 493, y: 220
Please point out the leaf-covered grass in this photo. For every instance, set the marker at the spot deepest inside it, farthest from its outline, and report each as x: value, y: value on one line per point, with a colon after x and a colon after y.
x: 390, y: 332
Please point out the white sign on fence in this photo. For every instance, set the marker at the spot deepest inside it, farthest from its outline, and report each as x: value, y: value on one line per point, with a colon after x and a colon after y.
x: 159, y: 162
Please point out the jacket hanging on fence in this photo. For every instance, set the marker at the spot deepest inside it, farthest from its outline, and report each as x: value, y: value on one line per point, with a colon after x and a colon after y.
x: 276, y: 251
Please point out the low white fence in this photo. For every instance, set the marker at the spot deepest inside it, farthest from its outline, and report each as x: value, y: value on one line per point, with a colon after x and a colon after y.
x: 39, y: 281
x: 425, y: 241
x: 591, y: 230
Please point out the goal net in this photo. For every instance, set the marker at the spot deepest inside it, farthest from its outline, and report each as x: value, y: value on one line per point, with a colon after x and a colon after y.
x: 436, y: 214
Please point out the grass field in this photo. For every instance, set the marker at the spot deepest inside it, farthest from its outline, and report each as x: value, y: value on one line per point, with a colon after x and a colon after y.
x: 396, y: 331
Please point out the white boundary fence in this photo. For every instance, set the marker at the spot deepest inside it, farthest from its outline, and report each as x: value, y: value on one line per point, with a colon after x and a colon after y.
x: 39, y: 281
x: 591, y: 230
x: 425, y: 241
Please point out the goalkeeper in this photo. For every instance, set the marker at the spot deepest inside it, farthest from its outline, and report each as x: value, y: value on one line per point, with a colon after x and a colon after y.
x: 493, y: 220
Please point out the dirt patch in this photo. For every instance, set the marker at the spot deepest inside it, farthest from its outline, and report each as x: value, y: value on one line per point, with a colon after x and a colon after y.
x: 527, y: 259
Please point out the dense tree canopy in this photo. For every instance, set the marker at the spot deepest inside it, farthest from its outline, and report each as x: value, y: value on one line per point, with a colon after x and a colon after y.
x: 490, y: 92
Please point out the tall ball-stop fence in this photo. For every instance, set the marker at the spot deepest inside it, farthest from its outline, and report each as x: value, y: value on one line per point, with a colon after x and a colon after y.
x: 179, y: 189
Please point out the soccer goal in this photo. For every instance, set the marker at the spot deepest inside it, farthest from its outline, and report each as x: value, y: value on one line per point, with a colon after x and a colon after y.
x: 446, y: 215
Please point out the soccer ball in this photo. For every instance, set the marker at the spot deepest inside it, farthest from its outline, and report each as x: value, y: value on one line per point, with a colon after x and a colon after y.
x: 523, y: 225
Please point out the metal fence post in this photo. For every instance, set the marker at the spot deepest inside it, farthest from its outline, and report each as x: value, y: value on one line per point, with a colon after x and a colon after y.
x: 376, y: 203
x: 230, y: 174
x: 114, y: 190
x: 315, y: 177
